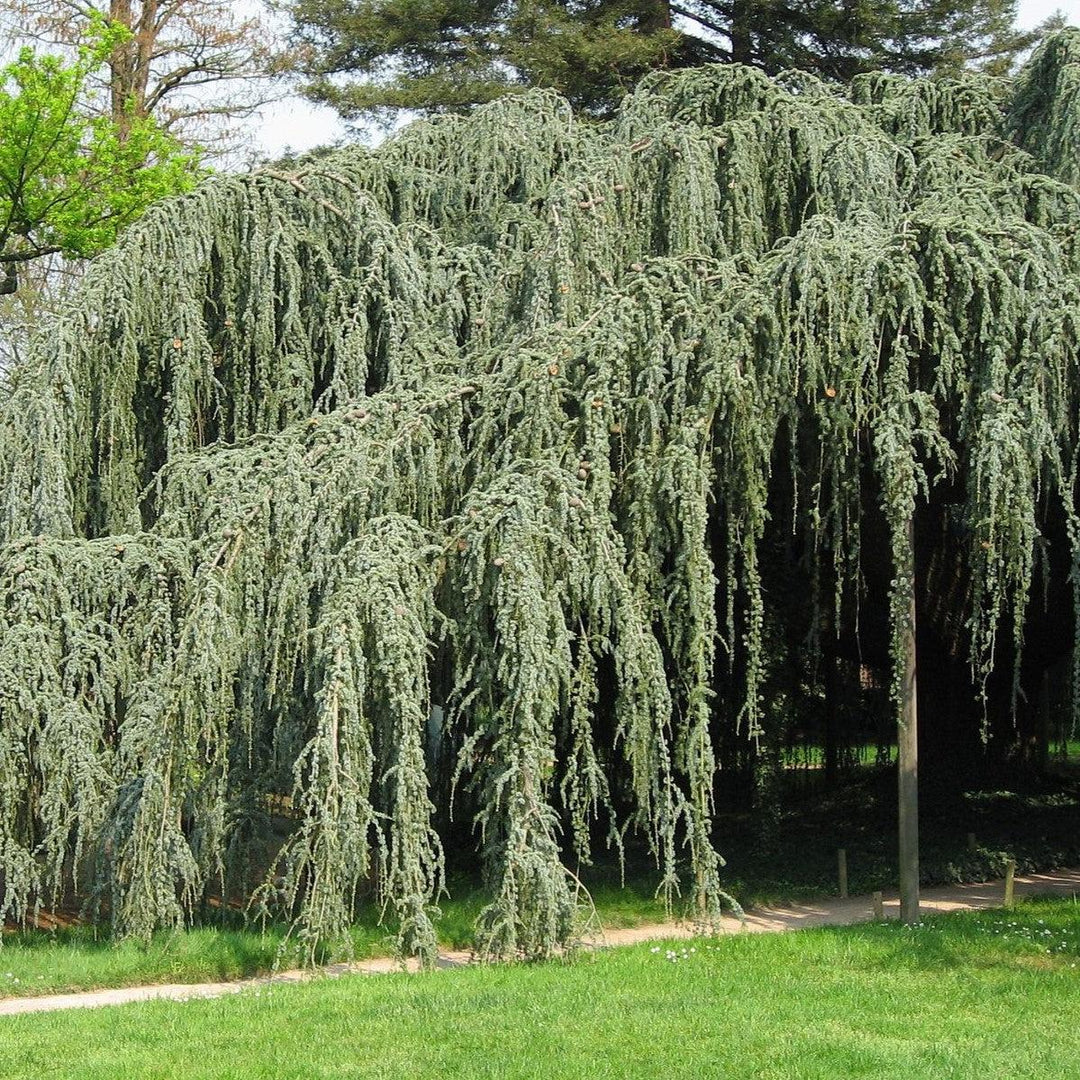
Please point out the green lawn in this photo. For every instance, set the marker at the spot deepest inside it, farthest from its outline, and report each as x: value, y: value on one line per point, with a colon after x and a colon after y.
x: 796, y: 860
x: 812, y: 756
x: 1069, y: 750
x: 1039, y: 826
x: 976, y: 995
x: 37, y: 962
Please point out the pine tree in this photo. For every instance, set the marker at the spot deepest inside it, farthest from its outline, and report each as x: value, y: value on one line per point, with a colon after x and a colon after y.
x: 371, y: 57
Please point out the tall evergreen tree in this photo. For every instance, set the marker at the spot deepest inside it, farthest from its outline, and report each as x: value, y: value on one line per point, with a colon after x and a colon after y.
x: 370, y: 57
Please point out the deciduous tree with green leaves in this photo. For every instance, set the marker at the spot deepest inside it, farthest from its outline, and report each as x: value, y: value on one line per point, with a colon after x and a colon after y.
x: 70, y: 177
x: 197, y: 66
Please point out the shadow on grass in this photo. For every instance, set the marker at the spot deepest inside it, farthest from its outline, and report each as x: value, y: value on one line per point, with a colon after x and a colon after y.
x: 1036, y: 935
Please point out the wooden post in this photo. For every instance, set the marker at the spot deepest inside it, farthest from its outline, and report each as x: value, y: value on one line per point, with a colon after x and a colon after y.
x: 879, y: 907
x: 908, y: 755
x: 1010, y: 874
x: 841, y: 866
x: 972, y: 845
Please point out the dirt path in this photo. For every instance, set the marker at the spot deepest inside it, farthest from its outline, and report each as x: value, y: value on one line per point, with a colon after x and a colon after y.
x: 760, y: 921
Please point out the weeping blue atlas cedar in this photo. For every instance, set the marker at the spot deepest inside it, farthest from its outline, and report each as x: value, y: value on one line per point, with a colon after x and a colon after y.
x: 482, y: 426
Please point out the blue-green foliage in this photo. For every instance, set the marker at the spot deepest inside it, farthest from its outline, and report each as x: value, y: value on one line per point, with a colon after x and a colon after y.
x: 486, y: 420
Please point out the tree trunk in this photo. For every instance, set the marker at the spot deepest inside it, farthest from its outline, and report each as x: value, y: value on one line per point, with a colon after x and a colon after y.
x: 908, y: 753
x: 654, y: 15
x: 130, y: 62
x: 120, y: 68
x: 832, y: 705
x: 741, y: 42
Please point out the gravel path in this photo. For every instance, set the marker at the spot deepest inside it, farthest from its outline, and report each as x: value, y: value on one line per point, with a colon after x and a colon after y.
x: 833, y: 912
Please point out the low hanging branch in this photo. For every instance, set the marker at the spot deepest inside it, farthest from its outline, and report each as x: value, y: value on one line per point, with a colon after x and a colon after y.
x: 488, y: 420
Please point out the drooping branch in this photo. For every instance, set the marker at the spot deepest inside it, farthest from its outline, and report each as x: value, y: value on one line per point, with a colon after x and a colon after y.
x: 488, y: 421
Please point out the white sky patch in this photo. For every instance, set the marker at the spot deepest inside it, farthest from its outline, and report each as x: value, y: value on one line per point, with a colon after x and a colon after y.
x: 293, y: 124
x: 1033, y: 12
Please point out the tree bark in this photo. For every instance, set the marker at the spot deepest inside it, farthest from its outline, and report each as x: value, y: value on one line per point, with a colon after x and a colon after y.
x: 654, y: 15
x: 831, y: 716
x: 741, y: 42
x: 908, y: 754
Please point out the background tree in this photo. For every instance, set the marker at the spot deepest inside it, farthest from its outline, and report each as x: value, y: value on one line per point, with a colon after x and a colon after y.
x: 71, y: 178
x: 196, y: 66
x: 368, y: 57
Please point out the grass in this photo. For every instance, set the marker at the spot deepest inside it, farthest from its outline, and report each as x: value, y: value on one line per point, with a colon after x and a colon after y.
x: 812, y: 756
x: 795, y: 859
x: 962, y: 996
x: 34, y: 963
x: 1066, y: 749
x: 1034, y: 820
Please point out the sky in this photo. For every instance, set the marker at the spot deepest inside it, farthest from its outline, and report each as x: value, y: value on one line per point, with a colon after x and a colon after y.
x: 1032, y: 12
x: 298, y: 125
